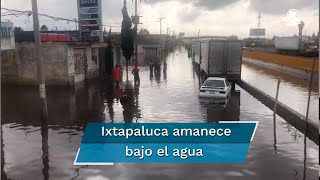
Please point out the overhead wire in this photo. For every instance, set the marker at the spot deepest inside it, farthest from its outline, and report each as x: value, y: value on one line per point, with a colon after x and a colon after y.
x: 17, y: 13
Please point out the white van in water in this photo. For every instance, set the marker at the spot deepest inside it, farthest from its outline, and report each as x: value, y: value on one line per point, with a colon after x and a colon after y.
x: 215, y: 87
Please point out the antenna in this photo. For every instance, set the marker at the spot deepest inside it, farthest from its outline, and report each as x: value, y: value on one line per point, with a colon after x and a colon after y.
x: 259, y: 17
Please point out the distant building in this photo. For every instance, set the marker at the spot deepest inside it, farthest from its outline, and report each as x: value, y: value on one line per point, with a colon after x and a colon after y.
x: 7, y: 36
x: 233, y: 38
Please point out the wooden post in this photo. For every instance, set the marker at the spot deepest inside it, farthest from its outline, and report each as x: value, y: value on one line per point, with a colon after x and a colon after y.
x: 274, y: 116
x: 306, y: 127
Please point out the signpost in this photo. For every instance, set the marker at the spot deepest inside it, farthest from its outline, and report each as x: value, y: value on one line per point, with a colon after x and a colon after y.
x: 257, y: 32
x: 89, y: 17
x: 7, y: 36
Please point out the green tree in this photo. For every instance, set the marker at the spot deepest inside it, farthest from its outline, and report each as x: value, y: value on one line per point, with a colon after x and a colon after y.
x: 144, y: 32
x: 18, y: 29
x: 44, y: 28
x: 127, y: 36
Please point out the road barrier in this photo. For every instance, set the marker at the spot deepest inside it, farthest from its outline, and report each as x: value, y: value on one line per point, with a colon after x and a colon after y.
x: 291, y: 116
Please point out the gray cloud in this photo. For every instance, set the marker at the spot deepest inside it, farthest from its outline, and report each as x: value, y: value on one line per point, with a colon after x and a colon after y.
x: 158, y: 1
x: 281, y: 7
x: 213, y: 4
x: 190, y: 12
x: 265, y: 6
x: 188, y: 16
x: 205, y: 4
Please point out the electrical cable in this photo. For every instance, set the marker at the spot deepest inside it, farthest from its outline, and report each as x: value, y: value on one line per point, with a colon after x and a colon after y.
x: 17, y: 13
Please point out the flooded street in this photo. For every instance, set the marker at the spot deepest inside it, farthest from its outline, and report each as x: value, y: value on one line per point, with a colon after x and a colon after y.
x: 32, y: 149
x: 293, y: 91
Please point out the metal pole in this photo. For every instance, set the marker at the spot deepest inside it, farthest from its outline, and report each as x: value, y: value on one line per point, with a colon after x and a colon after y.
x: 160, y: 27
x: 100, y: 21
x: 75, y: 23
x: 79, y: 24
x: 136, y: 28
x: 38, y: 57
x: 307, y: 116
x: 274, y: 115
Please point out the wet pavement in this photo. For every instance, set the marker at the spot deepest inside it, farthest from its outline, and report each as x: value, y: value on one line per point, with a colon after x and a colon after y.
x: 34, y: 149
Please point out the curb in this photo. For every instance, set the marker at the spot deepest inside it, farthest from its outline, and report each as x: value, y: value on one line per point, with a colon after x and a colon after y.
x: 291, y: 116
x: 304, y: 74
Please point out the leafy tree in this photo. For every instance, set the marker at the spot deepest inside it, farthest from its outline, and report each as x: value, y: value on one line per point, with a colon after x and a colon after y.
x: 18, y: 29
x: 127, y: 36
x: 144, y: 32
x: 44, y: 28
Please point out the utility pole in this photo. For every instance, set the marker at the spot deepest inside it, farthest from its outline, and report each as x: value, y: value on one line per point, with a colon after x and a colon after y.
x: 136, y: 28
x: 160, y: 20
x: 40, y: 72
x: 100, y: 21
x: 75, y: 23
x: 79, y: 24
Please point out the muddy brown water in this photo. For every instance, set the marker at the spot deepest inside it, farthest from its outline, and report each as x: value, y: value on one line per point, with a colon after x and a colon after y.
x: 33, y: 150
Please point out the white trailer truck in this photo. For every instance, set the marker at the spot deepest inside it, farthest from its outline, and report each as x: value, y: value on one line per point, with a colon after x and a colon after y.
x: 221, y: 58
x: 295, y: 45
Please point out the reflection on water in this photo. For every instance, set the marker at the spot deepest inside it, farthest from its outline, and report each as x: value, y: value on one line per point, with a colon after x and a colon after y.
x: 223, y: 109
x: 35, y: 149
x: 293, y: 91
x: 45, y: 148
x: 3, y: 173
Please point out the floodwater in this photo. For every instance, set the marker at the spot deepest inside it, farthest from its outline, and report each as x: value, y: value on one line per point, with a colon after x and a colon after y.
x: 293, y: 91
x: 34, y: 149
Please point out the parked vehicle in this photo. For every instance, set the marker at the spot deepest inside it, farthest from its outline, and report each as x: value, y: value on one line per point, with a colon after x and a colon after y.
x: 221, y: 58
x: 215, y: 87
x: 228, y: 112
x: 296, y: 45
x: 196, y: 55
x: 214, y: 102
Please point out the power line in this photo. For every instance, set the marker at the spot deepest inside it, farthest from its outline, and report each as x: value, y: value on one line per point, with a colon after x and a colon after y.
x: 17, y: 13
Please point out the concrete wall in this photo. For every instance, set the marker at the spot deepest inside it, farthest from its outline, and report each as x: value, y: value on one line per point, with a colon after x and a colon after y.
x: 308, y: 127
x: 70, y: 61
x: 83, y: 63
x: 19, y: 65
x: 291, y: 71
x: 93, y: 64
x: 63, y: 63
x: 9, y: 67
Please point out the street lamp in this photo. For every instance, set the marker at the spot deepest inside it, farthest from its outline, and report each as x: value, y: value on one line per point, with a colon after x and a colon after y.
x: 160, y: 20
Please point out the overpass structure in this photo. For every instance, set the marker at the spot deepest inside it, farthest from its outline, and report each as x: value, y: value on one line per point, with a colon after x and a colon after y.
x: 191, y: 40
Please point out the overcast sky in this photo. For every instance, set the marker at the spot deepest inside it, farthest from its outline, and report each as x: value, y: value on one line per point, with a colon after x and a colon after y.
x: 212, y: 17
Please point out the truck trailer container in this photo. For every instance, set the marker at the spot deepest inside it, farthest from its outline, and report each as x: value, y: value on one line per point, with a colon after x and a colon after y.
x: 296, y: 45
x: 221, y: 58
